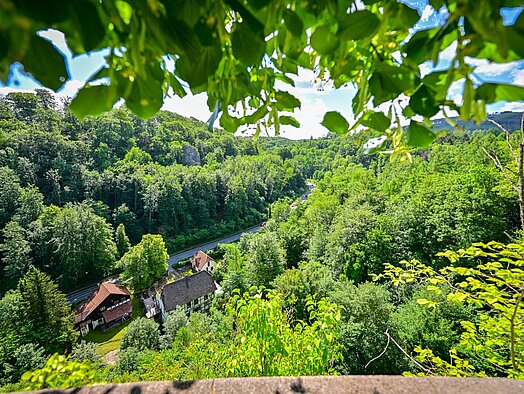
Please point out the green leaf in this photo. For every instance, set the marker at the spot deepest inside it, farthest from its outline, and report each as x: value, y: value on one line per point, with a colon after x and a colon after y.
x: 45, y: 63
x: 417, y: 48
x: 468, y: 98
x: 93, y: 100
x: 147, y: 96
x: 124, y: 10
x: 335, y: 122
x: 248, y: 47
x: 229, y: 123
x: 289, y: 120
x: 423, y: 102
x: 185, y: 10
x: 404, y: 16
x: 358, y: 25
x: 293, y: 22
x: 286, y: 101
x: 419, y: 135
x: 197, y: 72
x: 492, y: 92
x: 257, y: 4
x: 376, y: 121
x: 389, y: 81
x: 323, y: 41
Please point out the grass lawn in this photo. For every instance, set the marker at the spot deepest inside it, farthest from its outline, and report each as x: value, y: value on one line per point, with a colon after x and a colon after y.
x: 110, y: 340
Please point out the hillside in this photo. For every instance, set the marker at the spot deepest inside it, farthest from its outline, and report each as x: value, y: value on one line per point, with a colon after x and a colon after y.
x: 509, y: 120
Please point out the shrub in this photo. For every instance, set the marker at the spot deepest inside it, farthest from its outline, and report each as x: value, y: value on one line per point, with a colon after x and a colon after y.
x: 141, y: 334
x: 85, y: 351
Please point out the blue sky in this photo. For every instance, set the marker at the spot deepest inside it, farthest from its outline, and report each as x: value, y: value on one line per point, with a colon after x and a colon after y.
x: 315, y: 101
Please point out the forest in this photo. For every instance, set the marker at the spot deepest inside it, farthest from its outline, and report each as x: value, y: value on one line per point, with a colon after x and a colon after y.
x: 409, y: 265
x: 66, y: 185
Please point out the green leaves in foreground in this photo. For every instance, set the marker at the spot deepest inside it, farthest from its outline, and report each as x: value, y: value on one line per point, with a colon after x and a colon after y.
x: 324, y: 41
x: 335, y: 122
x: 490, y: 278
x: 419, y: 135
x: 45, y: 63
x: 93, y: 100
x: 237, y: 52
x: 358, y: 25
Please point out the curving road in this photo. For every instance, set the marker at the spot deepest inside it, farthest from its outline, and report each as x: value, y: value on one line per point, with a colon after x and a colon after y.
x: 208, y: 246
x: 82, y: 294
x: 232, y: 238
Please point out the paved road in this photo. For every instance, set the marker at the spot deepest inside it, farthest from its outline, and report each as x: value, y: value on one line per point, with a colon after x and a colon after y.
x: 211, y: 245
x: 82, y: 294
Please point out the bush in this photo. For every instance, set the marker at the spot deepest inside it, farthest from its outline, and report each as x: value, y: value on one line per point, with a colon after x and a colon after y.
x: 128, y: 360
x: 60, y: 372
x: 175, y: 320
x: 86, y: 351
x: 26, y: 358
x: 141, y: 334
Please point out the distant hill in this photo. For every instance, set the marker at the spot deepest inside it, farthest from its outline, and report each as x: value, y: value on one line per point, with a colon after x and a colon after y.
x: 509, y: 120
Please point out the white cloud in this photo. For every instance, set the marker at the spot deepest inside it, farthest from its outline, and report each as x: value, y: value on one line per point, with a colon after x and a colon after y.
x: 518, y: 76
x: 489, y: 69
x: 191, y: 106
x: 70, y: 88
x: 309, y: 116
x: 449, y: 53
x: 514, y: 106
x: 427, y: 12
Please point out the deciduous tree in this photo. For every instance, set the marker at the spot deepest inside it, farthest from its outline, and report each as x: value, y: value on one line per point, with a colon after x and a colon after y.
x: 145, y: 262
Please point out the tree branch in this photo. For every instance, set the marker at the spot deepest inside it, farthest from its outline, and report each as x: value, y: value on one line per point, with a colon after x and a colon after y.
x: 390, y: 338
x: 501, y: 167
x: 381, y: 353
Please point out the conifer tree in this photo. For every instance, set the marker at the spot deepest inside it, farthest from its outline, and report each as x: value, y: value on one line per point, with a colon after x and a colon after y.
x: 122, y: 240
x: 46, y: 311
x: 15, y: 250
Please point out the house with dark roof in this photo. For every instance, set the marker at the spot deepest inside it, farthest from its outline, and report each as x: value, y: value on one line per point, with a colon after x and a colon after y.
x: 193, y: 292
x: 109, y: 305
x: 202, y: 262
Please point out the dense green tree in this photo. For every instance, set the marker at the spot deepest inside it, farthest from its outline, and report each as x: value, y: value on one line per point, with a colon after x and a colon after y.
x: 309, y: 280
x: 9, y: 194
x: 144, y: 263
x: 122, y: 241
x: 265, y: 258
x: 30, y: 205
x: 26, y: 358
x: 437, y: 329
x: 141, y: 334
x: 128, y: 360
x: 86, y: 352
x: 13, y: 330
x: 366, y: 316
x: 15, y: 250
x: 176, y: 319
x: 75, y: 242
x: 46, y: 311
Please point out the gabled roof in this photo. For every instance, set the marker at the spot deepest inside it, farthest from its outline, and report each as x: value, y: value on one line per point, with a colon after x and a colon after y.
x: 117, y: 312
x: 200, y: 259
x: 105, y: 289
x: 187, y: 289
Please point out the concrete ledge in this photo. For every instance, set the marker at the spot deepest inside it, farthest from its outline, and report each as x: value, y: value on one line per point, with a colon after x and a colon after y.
x: 312, y: 384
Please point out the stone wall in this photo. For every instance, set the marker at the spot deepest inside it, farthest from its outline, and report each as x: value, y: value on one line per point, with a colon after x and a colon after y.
x: 313, y: 384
